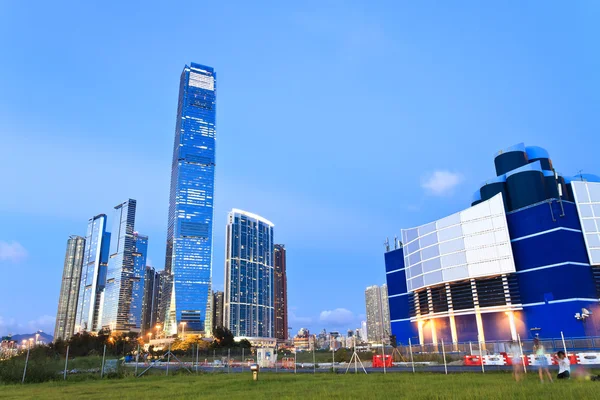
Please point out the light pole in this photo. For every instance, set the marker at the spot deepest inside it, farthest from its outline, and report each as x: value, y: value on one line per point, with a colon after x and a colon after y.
x: 157, y: 327
x: 149, y: 337
x: 183, y: 330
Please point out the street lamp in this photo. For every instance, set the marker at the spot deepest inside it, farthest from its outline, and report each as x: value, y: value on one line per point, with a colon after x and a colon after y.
x: 183, y: 330
x: 157, y: 327
x: 149, y: 336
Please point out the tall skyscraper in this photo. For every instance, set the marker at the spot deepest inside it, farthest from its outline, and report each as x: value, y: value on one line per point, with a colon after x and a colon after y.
x: 122, y: 307
x: 151, y: 299
x: 249, y: 305
x: 217, y: 309
x: 163, y: 295
x: 93, y: 275
x: 280, y: 292
x: 69, y: 289
x: 190, y: 222
x: 378, y: 315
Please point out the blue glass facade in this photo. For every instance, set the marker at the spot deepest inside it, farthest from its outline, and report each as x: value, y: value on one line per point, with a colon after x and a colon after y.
x: 190, y: 220
x: 122, y: 305
x: 93, y: 275
x: 249, y: 295
x: 553, y: 280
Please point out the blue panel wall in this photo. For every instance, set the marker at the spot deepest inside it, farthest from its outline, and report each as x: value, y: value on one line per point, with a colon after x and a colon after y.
x: 405, y: 330
x: 558, y: 283
x: 394, y: 260
x: 466, y: 328
x: 554, y: 318
x: 398, y: 307
x: 542, y: 217
x: 548, y: 249
x: 396, y: 282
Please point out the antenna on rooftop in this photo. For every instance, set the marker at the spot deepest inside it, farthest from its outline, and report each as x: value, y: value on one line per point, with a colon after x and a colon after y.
x: 387, y: 244
x: 395, y: 242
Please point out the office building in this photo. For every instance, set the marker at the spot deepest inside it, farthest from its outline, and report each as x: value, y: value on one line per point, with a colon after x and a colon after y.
x: 151, y: 300
x: 123, y: 293
x: 218, y: 303
x: 304, y: 341
x: 522, y: 261
x: 69, y: 289
x: 249, y: 300
x: 378, y: 326
x: 163, y: 296
x: 190, y: 219
x: 93, y: 275
x: 280, y: 292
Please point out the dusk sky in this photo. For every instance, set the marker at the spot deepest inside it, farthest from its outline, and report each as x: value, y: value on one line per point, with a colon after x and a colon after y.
x: 341, y: 122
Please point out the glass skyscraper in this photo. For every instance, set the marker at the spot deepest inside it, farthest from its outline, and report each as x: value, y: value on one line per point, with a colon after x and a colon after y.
x: 249, y: 298
x: 280, y: 292
x: 122, y: 307
x: 93, y: 275
x: 69, y: 290
x: 190, y: 221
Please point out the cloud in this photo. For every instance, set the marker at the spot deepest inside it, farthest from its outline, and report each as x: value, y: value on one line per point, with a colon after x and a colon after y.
x: 441, y: 182
x: 297, y: 321
x: 12, y: 326
x: 338, y: 317
x: 12, y: 251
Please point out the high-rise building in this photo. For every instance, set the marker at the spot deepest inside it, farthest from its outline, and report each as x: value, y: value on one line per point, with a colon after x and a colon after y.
x: 163, y: 297
x: 93, y: 275
x: 190, y: 221
x: 363, y: 331
x: 69, y: 289
x: 249, y: 309
x: 122, y: 307
x: 523, y: 260
x: 218, y: 302
x: 378, y: 319
x: 280, y: 292
x: 151, y: 300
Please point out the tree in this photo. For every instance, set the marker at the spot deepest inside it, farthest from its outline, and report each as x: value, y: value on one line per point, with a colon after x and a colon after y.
x: 222, y: 337
x: 244, y: 344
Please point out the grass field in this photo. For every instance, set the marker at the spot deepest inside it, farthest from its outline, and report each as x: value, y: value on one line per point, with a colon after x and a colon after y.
x: 320, y: 386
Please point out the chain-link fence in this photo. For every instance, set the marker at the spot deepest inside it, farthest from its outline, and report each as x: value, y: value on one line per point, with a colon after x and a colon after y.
x: 41, y: 363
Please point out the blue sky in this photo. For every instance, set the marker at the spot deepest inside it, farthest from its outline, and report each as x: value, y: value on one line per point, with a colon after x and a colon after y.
x: 341, y: 122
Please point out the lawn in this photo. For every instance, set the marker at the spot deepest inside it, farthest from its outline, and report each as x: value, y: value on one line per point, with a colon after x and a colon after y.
x: 319, y: 386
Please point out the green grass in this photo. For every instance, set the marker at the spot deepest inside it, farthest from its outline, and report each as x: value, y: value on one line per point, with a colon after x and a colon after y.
x: 320, y: 386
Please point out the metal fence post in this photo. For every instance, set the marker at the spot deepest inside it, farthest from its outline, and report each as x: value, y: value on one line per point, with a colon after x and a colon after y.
x: 137, y: 357
x: 197, y: 355
x: 66, y: 364
x: 228, y: 360
x: 481, y: 356
x: 314, y: 360
x: 294, y: 360
x: 103, y: 358
x: 168, y: 358
x: 412, y: 361
x: 26, y: 362
x: 522, y: 355
x: 243, y: 359
x: 563, y: 341
x: 333, y: 359
x: 444, y: 353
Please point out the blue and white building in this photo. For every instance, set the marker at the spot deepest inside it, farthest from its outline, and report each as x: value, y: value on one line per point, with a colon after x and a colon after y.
x: 523, y: 260
x: 124, y: 288
x: 188, y: 261
x: 249, y: 295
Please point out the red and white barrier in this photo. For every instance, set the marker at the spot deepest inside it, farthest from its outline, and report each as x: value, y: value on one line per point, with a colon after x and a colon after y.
x: 495, y: 359
x: 588, y: 358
